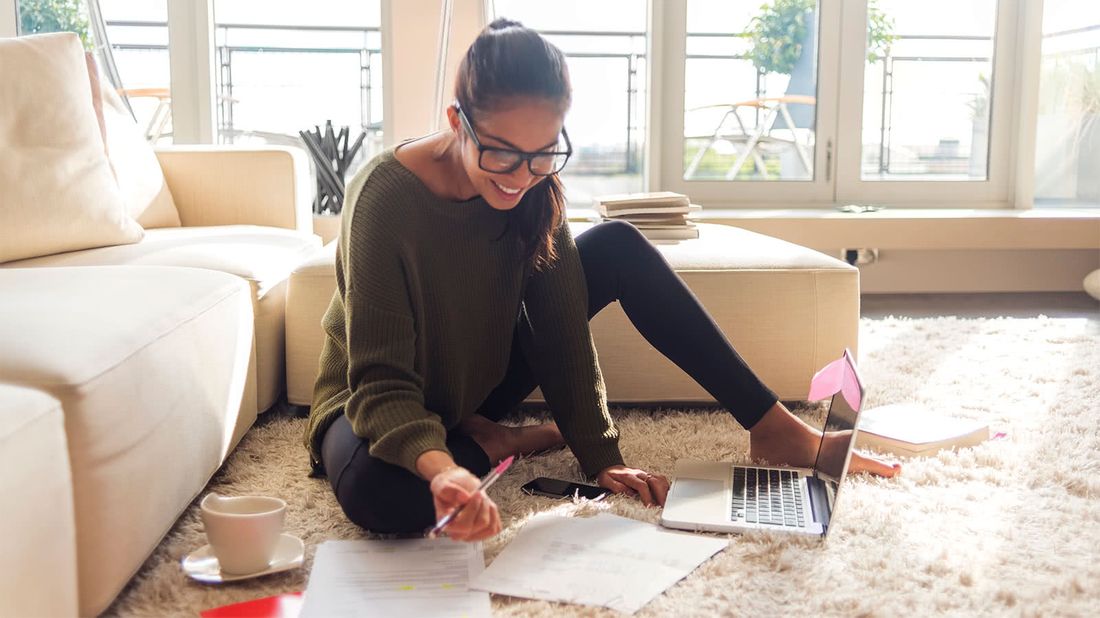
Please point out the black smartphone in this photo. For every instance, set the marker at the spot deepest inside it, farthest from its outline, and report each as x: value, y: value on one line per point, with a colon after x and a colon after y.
x: 556, y: 488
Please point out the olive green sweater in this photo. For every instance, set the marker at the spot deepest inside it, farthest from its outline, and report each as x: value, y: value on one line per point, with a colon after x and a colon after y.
x: 429, y: 295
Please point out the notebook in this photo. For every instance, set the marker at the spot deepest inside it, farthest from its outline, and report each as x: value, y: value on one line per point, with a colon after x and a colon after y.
x: 912, y: 430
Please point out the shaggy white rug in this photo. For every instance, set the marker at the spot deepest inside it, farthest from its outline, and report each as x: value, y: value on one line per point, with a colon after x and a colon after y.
x: 1011, y: 526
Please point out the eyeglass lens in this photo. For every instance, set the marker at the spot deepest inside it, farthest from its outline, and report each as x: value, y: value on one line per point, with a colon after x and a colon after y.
x: 504, y: 161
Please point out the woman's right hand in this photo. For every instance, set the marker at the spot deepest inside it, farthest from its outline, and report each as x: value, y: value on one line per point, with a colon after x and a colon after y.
x: 454, y: 487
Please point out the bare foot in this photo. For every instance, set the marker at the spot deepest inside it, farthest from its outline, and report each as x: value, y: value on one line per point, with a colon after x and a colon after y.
x: 782, y: 438
x: 500, y: 442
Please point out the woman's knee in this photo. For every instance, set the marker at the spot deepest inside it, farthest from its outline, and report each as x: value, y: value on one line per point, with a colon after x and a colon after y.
x: 621, y: 247
x: 618, y: 234
x: 384, y: 498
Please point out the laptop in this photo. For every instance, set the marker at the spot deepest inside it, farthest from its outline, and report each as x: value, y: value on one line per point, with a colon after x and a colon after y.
x: 726, y: 497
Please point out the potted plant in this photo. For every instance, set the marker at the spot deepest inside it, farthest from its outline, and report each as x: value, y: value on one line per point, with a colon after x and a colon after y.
x: 331, y: 156
x: 1068, y: 151
x: 783, y: 36
x: 1088, y: 137
x: 780, y: 31
x: 979, y: 129
x: 41, y: 16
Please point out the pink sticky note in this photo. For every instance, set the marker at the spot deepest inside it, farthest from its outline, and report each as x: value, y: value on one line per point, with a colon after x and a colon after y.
x: 836, y: 377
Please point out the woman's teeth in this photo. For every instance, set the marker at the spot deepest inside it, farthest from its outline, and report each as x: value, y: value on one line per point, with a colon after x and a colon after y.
x: 506, y: 189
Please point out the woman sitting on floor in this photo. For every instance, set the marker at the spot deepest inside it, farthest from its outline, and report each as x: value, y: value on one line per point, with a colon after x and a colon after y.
x: 460, y: 289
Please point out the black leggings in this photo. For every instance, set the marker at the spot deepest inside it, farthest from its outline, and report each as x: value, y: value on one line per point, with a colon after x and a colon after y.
x: 619, y: 264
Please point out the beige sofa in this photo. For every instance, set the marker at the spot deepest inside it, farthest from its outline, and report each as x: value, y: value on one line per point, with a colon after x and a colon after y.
x: 787, y: 309
x: 129, y: 368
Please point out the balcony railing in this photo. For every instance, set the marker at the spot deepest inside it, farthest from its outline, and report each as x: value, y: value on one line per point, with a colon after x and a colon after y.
x: 890, y: 64
x: 620, y: 157
x: 605, y: 159
x: 368, y: 61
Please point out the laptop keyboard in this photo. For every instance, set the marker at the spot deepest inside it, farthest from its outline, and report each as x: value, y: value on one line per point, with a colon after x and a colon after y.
x: 767, y: 497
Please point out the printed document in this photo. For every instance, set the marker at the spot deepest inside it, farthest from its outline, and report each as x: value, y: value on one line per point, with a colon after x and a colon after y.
x: 606, y: 561
x: 404, y: 577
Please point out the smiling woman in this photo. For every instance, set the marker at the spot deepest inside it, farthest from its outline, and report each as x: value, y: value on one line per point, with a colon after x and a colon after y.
x: 470, y: 217
x: 460, y: 289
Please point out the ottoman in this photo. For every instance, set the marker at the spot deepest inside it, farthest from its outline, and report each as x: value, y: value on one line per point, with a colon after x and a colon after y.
x: 788, y: 311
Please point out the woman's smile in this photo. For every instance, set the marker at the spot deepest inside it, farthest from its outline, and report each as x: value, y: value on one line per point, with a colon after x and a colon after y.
x: 508, y: 193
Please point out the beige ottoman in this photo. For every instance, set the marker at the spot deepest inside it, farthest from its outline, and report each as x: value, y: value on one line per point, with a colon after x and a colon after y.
x: 788, y: 311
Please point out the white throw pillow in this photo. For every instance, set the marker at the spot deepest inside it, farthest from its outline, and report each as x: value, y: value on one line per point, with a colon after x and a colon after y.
x: 57, y: 192
x: 136, y: 168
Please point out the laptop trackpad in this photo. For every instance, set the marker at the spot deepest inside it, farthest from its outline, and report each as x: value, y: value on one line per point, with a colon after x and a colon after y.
x: 696, y: 493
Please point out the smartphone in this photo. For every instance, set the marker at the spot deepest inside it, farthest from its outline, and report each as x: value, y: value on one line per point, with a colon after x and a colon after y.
x: 556, y: 488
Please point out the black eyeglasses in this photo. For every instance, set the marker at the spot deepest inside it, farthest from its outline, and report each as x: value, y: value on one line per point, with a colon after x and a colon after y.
x: 505, y: 160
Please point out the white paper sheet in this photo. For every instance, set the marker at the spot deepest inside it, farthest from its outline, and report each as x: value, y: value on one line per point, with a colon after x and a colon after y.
x: 606, y: 561
x: 406, y: 577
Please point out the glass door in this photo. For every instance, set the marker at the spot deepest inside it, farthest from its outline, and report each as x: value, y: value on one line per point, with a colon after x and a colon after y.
x: 755, y: 87
x: 929, y: 103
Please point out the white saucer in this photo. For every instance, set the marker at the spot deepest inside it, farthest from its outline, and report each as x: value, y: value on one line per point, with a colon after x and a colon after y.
x: 203, y: 566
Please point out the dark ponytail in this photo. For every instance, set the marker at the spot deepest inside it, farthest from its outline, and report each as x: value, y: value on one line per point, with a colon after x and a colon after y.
x: 508, y: 60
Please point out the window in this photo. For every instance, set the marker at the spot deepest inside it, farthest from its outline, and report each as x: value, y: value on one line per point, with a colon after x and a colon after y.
x: 750, y: 87
x: 811, y: 103
x: 286, y: 67
x: 926, y: 91
x: 138, y: 33
x: 748, y: 100
x: 42, y: 16
x: 605, y: 46
x: 1067, y: 153
x: 947, y: 135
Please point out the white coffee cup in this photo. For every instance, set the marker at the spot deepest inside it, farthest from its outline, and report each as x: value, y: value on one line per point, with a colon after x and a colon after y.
x: 243, y: 531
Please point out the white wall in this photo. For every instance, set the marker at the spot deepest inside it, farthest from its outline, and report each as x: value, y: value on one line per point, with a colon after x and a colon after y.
x: 191, y: 62
x: 917, y: 272
x: 7, y: 18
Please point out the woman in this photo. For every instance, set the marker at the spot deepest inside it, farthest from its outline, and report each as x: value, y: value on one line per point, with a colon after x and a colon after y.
x: 460, y: 289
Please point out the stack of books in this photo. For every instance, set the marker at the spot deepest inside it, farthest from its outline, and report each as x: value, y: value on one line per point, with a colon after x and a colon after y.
x: 660, y: 216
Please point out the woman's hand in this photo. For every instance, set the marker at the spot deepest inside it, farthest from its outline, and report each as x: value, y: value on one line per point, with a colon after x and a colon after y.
x: 454, y: 487
x: 650, y: 488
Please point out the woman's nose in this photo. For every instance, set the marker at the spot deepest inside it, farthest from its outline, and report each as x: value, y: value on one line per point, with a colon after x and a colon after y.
x: 521, y: 176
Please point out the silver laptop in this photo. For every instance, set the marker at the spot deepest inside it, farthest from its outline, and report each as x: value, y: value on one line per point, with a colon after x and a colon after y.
x: 725, y: 497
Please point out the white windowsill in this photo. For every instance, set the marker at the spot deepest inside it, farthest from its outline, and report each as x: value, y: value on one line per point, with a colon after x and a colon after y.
x: 909, y: 228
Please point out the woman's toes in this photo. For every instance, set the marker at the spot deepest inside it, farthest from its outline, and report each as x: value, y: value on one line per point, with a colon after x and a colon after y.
x: 861, y: 463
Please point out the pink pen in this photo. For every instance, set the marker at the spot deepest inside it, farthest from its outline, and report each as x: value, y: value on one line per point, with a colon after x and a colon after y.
x: 485, y: 484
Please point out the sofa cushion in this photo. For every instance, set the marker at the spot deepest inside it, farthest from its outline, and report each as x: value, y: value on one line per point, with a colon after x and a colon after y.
x: 308, y: 294
x: 263, y: 256
x: 37, y: 519
x: 135, y: 165
x: 151, y: 366
x: 58, y: 191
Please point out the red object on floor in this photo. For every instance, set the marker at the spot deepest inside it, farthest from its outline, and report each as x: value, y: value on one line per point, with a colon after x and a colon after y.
x: 279, y: 606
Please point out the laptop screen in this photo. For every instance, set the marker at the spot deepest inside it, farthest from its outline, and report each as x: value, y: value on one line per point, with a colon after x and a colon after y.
x: 832, y: 457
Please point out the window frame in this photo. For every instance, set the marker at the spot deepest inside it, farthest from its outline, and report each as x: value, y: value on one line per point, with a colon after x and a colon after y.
x: 837, y: 178
x: 9, y: 18
x: 993, y: 192
x: 817, y: 191
x: 1012, y: 137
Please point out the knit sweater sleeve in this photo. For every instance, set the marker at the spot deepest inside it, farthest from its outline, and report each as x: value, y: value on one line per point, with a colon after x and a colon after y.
x: 386, y: 403
x: 559, y: 345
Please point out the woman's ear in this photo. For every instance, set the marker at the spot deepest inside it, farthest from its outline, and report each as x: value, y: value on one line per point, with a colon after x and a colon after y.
x: 453, y: 120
